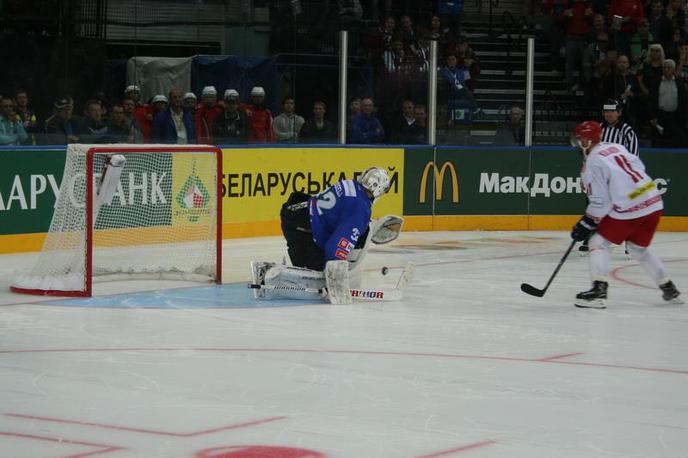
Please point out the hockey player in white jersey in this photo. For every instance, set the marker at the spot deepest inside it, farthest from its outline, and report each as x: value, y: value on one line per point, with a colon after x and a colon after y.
x: 624, y: 206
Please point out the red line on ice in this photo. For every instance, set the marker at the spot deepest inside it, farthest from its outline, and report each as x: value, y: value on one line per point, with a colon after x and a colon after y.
x: 354, y: 352
x: 565, y: 355
x: 103, y: 448
x: 146, y: 431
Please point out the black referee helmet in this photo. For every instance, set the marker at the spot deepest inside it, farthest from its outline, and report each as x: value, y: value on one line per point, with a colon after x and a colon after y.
x: 612, y: 105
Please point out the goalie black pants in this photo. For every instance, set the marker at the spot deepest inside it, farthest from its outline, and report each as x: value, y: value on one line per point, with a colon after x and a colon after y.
x: 296, y: 227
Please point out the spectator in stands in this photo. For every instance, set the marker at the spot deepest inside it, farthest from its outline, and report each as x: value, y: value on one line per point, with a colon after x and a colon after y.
x: 92, y: 128
x: 287, y: 124
x: 623, y: 15
x: 173, y: 124
x: 128, y: 106
x: 597, y: 66
x: 62, y: 127
x: 366, y: 127
x: 516, y: 125
x: 466, y: 58
x: 143, y: 113
x: 682, y: 64
x: 119, y: 129
x: 410, y: 38
x: 554, y: 11
x: 675, y: 11
x: 349, y: 11
x: 673, y: 48
x: 437, y: 32
x: 576, y: 20
x: 668, y: 109
x: 393, y: 58
x: 599, y: 25
x: 26, y: 115
x: 659, y: 26
x: 640, y: 44
x: 231, y: 126
x: 421, y: 115
x: 396, y: 74
x: 459, y: 96
x: 189, y: 102
x: 382, y: 37
x: 12, y: 130
x: 404, y: 128
x: 623, y: 85
x: 318, y: 129
x: 652, y: 72
x: 259, y: 118
x: 205, y: 115
x: 354, y: 110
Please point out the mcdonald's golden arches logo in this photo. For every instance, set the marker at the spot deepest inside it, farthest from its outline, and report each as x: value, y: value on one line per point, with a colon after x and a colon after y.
x: 439, y: 181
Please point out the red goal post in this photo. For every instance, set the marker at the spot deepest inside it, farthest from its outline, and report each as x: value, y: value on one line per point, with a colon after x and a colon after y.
x: 161, y: 219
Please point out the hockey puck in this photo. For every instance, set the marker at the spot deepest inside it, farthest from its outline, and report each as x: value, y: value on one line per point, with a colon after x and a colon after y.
x: 384, y: 270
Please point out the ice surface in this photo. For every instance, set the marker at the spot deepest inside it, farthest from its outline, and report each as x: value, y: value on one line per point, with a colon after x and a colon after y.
x: 465, y: 365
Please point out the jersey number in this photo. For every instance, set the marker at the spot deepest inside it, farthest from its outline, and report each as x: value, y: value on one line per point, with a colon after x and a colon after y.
x: 626, y: 167
x: 326, y: 201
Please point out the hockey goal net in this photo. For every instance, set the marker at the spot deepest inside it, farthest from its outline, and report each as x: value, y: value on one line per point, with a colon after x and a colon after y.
x: 129, y: 211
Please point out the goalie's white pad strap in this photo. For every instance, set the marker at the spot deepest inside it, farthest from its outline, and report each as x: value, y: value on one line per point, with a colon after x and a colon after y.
x: 337, y: 279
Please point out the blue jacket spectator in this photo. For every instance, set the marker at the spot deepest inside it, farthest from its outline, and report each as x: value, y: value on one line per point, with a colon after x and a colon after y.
x: 12, y: 131
x: 174, y: 125
x: 366, y: 128
x: 62, y: 127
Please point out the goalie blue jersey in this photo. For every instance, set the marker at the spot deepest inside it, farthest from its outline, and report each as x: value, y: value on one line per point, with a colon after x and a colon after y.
x: 339, y: 217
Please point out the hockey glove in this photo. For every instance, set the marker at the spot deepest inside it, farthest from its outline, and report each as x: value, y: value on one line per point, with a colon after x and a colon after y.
x: 583, y: 228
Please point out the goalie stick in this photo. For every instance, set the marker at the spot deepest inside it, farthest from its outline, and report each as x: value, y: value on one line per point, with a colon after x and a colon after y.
x: 533, y: 291
x: 357, y: 294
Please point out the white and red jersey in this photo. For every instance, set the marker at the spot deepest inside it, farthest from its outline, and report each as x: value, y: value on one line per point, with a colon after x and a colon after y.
x: 617, y: 184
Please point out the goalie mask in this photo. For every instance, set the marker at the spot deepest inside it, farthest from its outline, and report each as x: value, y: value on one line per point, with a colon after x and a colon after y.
x: 376, y: 180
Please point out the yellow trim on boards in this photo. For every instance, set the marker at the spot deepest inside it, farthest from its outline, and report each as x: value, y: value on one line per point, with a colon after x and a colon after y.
x: 18, y: 243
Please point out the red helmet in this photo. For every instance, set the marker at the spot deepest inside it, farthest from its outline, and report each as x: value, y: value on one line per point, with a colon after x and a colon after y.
x: 588, y: 130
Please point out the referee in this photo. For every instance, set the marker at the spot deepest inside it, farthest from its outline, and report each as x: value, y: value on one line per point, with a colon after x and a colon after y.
x: 614, y: 130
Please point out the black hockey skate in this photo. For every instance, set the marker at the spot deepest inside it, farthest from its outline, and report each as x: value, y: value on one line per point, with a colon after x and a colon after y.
x: 594, y: 298
x: 670, y: 293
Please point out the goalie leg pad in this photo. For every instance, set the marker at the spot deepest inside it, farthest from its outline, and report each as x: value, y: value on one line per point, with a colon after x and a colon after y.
x: 337, y: 278
x: 291, y: 282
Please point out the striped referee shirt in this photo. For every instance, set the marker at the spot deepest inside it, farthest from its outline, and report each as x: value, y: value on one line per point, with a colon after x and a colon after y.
x: 622, y: 134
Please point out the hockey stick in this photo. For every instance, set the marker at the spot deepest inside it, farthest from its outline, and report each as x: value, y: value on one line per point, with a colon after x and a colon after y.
x: 357, y: 294
x: 533, y: 291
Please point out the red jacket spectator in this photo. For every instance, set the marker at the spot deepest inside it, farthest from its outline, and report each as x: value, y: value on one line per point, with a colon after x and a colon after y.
x: 205, y: 115
x: 204, y: 118
x: 259, y: 118
x: 577, y: 22
x: 632, y: 9
x: 144, y: 116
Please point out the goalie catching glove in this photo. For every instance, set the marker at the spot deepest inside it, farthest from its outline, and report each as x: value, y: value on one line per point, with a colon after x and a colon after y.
x: 386, y: 229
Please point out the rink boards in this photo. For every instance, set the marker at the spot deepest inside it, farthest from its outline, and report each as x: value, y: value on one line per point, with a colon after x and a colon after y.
x: 434, y: 188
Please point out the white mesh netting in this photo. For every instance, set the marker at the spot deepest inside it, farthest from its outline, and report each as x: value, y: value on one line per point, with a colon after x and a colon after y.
x: 161, y: 222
